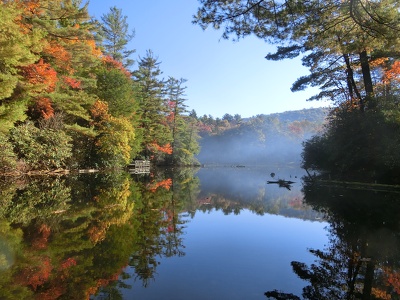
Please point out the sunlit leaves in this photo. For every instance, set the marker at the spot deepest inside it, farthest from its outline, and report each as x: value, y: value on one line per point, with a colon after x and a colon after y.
x: 393, y: 73
x: 154, y: 147
x: 41, y: 108
x: 166, y: 184
x: 51, y: 63
x: 60, y: 56
x: 40, y: 76
x: 114, y: 136
x: 11, y: 112
x: 41, y: 149
x: 152, y: 109
x: 115, y: 88
x: 15, y: 47
x: 100, y: 113
x: 110, y: 63
x: 8, y: 159
x: 71, y: 82
x: 392, y: 278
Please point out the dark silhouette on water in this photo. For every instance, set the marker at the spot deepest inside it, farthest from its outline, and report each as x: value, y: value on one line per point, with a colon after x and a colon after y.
x: 282, y: 183
x: 280, y: 295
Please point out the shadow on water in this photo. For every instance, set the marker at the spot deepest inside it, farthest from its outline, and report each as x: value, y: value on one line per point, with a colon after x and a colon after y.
x: 362, y: 258
x: 121, y: 235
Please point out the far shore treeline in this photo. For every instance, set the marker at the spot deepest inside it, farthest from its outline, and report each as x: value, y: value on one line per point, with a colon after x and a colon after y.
x: 72, y: 97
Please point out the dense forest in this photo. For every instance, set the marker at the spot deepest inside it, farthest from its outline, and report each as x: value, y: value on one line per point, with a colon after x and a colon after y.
x: 351, y: 49
x: 71, y: 99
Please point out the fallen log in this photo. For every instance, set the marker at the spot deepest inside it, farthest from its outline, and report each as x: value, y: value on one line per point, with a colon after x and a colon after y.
x: 280, y: 181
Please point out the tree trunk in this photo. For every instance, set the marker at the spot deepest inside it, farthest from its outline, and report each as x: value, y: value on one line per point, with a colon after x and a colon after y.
x: 368, y: 280
x: 351, y: 84
x: 366, y: 72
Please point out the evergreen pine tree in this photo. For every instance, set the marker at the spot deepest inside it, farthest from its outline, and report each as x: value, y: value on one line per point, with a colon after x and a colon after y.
x: 115, y: 31
x: 152, y: 109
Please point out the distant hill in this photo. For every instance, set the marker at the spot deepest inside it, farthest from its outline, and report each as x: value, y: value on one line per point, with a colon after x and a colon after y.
x: 262, y: 139
x: 316, y: 115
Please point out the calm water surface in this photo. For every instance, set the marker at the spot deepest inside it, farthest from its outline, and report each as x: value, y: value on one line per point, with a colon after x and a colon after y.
x: 213, y: 233
x: 233, y: 257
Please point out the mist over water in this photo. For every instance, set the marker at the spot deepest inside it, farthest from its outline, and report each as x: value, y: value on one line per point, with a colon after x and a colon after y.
x: 238, y: 164
x: 249, y: 150
x: 261, y: 140
x: 233, y: 189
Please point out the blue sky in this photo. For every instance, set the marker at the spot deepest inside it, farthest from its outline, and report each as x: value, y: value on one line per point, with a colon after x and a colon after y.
x: 223, y: 76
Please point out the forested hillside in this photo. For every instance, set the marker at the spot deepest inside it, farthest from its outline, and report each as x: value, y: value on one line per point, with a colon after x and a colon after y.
x: 70, y: 97
x: 259, y: 140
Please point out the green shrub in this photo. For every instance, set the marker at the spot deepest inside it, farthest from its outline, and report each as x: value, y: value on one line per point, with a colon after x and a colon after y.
x: 41, y: 149
x: 8, y: 159
x: 83, y: 154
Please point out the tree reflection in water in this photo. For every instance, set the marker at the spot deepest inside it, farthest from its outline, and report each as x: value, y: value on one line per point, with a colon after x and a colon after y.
x: 159, y: 222
x: 67, y: 237
x: 74, y: 237
x: 362, y: 260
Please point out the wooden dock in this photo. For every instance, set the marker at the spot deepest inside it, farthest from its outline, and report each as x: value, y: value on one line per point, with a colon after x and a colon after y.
x: 139, y: 167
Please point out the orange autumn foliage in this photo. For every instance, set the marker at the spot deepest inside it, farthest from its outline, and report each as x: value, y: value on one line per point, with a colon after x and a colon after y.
x: 296, y: 202
x: 45, y: 108
x: 348, y: 106
x: 62, y: 58
x: 72, y: 82
x: 95, y: 51
x: 102, y: 282
x: 42, y: 108
x: 111, y: 63
x: 30, y: 9
x: 69, y: 262
x: 295, y: 129
x: 35, y: 276
x: 392, y: 279
x: 41, y: 240
x: 393, y: 73
x: 164, y: 149
x: 380, y: 294
x: 41, y: 73
x: 378, y: 62
x: 99, y: 112
x: 166, y: 184
x: 56, y: 285
x: 63, y: 270
x: 171, y: 117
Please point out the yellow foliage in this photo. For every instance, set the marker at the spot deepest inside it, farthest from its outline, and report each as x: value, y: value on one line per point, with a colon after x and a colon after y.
x: 16, y: 47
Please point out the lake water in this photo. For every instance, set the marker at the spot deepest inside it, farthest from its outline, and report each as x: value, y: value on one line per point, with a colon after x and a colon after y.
x: 212, y: 233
